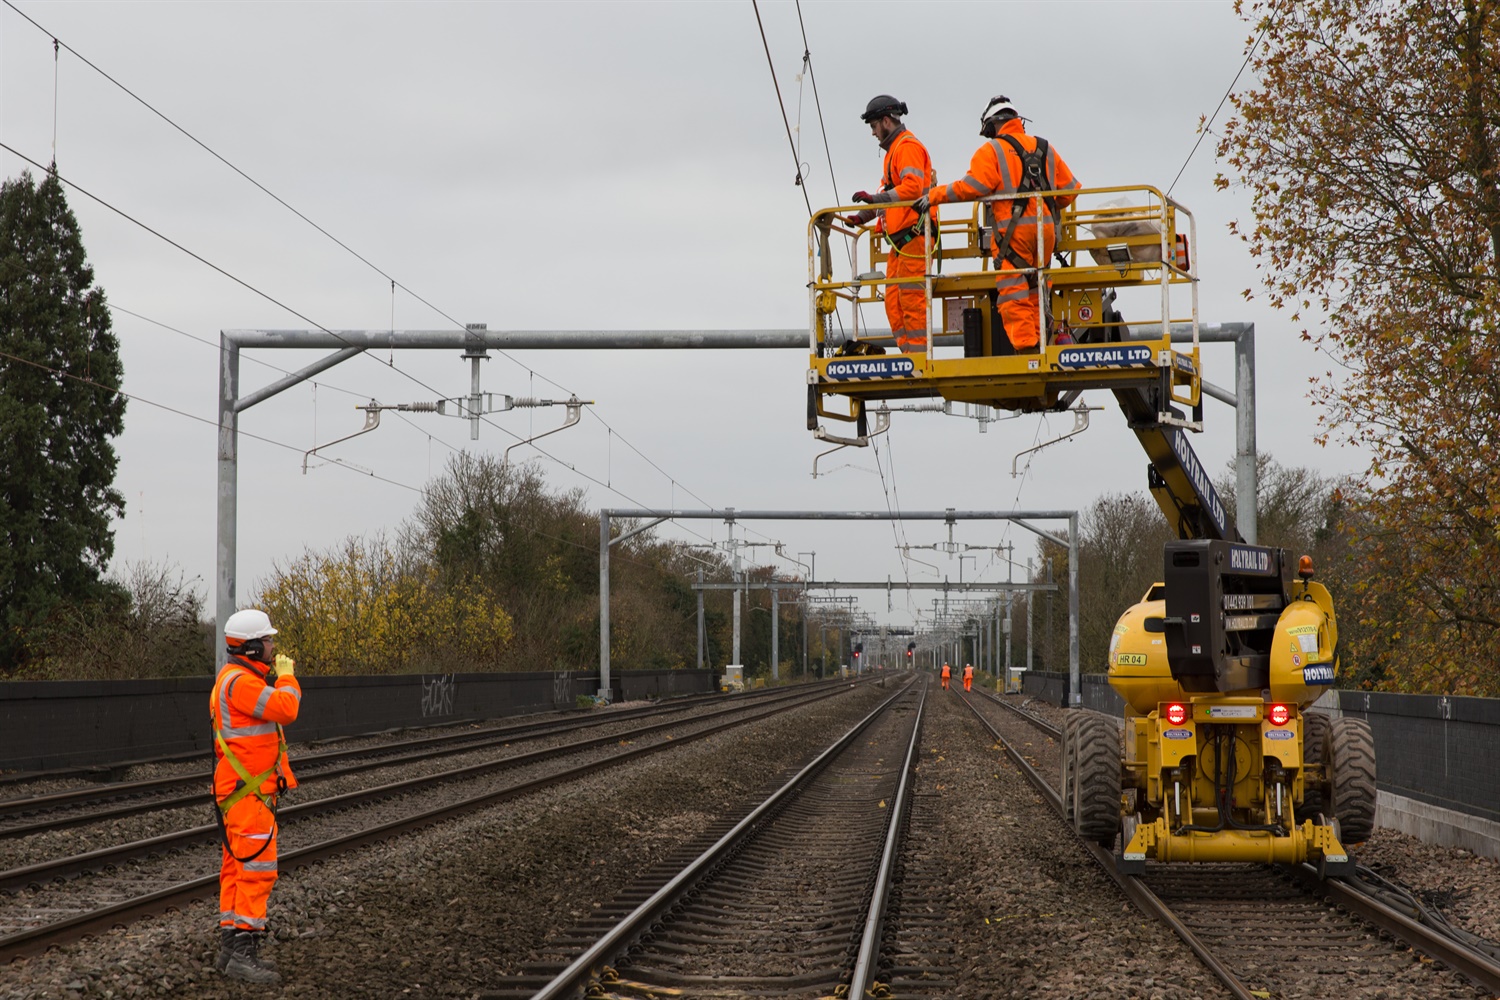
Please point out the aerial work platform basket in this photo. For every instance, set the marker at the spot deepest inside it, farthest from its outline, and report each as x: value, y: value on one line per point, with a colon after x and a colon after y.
x: 1136, y: 239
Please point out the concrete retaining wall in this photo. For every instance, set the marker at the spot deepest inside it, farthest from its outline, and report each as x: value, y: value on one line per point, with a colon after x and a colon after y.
x: 50, y: 724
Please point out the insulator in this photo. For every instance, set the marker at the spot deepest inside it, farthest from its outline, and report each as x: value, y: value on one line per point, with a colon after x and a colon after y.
x: 421, y: 407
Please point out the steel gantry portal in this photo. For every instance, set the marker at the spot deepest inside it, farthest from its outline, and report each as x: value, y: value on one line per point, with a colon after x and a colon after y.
x: 477, y: 338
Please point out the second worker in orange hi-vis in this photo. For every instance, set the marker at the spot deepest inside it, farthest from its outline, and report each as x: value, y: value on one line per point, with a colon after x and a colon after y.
x: 907, y: 175
x: 968, y: 676
x: 946, y: 673
x: 254, y: 695
x: 1013, y: 162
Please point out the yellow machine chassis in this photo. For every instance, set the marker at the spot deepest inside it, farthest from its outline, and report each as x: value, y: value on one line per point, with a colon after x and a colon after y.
x: 1164, y: 768
x: 1030, y: 381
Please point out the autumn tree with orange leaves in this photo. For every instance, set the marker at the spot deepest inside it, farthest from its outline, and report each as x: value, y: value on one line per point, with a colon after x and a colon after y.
x: 1370, y: 146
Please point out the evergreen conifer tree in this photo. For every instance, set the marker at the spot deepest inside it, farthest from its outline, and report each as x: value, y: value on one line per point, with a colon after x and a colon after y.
x: 59, y: 371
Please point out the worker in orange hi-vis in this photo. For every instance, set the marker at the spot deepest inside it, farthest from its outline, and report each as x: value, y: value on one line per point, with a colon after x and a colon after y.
x: 968, y: 676
x: 908, y: 174
x: 1012, y: 162
x: 945, y: 676
x: 255, y: 693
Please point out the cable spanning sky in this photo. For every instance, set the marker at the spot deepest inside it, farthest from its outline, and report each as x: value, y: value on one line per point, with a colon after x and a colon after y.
x: 587, y: 166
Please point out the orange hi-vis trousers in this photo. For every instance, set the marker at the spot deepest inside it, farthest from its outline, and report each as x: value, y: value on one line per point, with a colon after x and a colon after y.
x: 906, y: 303
x: 968, y: 683
x: 245, y: 886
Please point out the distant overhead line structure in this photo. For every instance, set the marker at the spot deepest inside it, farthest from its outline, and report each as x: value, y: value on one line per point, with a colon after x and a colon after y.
x: 651, y: 517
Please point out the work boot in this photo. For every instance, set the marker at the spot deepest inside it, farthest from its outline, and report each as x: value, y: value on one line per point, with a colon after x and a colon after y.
x: 226, y: 947
x: 244, y: 960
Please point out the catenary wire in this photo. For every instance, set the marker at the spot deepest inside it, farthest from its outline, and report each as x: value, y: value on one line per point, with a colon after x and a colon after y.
x: 394, y: 282
x: 265, y: 295
x: 1209, y: 124
x: 807, y: 58
x: 277, y: 368
x: 781, y: 106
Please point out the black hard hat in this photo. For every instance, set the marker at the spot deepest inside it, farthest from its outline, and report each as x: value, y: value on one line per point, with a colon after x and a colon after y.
x: 882, y: 105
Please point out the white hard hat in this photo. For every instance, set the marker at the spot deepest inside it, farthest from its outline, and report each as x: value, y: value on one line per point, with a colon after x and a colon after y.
x: 999, y: 106
x: 251, y: 623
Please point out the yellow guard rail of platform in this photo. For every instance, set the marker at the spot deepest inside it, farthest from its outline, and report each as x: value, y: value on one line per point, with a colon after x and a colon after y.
x: 1155, y: 248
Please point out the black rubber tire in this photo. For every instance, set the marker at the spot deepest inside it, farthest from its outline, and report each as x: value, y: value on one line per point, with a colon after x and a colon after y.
x: 1098, y: 763
x: 1069, y: 749
x: 1314, y: 751
x: 1351, y: 765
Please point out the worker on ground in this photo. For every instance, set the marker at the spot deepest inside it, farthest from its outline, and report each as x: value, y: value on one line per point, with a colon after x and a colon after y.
x: 945, y: 676
x: 1011, y: 161
x: 908, y: 174
x: 968, y: 676
x: 255, y: 693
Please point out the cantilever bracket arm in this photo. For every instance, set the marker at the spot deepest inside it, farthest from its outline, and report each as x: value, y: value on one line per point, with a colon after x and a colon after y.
x: 575, y: 413
x: 882, y: 424
x: 1080, y: 424
x: 372, y: 421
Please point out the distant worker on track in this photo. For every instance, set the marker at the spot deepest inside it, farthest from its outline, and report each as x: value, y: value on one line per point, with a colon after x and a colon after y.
x: 908, y: 174
x: 945, y: 676
x: 1013, y: 162
x: 968, y: 676
x: 255, y: 694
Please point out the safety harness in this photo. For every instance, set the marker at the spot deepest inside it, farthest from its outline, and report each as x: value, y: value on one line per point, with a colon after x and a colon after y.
x: 248, y: 785
x: 1033, y: 178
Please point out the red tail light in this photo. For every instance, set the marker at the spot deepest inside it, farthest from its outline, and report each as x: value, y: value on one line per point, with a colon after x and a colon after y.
x: 1176, y: 714
x: 1279, y: 714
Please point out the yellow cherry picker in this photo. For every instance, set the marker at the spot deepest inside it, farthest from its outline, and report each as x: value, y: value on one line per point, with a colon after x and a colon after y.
x: 1218, y: 663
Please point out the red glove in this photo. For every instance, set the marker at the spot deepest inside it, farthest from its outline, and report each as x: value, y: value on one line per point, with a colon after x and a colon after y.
x: 851, y: 220
x: 863, y: 197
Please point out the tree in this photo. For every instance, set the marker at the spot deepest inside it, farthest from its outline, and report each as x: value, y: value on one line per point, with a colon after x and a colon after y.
x: 362, y: 609
x: 60, y: 373
x: 150, y: 624
x: 1371, y: 149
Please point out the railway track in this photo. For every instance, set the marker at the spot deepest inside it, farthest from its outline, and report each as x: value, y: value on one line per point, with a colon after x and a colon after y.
x: 715, y: 920
x: 23, y: 816
x: 43, y: 906
x: 1263, y: 930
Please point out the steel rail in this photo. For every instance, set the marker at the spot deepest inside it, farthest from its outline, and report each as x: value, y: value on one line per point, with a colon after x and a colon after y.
x: 643, y: 916
x: 457, y: 743
x: 95, y: 771
x: 869, y: 945
x: 1135, y: 890
x: 38, y: 939
x: 1475, y: 965
x: 47, y: 870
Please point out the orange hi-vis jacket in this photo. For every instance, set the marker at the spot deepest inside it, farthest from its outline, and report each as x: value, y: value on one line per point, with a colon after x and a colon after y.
x: 248, y: 715
x: 945, y: 671
x: 969, y: 672
x: 907, y: 175
x: 996, y: 169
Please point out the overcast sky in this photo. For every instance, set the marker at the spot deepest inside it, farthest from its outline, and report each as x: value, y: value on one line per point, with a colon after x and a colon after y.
x: 590, y: 166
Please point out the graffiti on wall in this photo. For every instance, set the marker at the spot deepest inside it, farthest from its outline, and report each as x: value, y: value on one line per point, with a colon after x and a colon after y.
x: 437, y: 695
